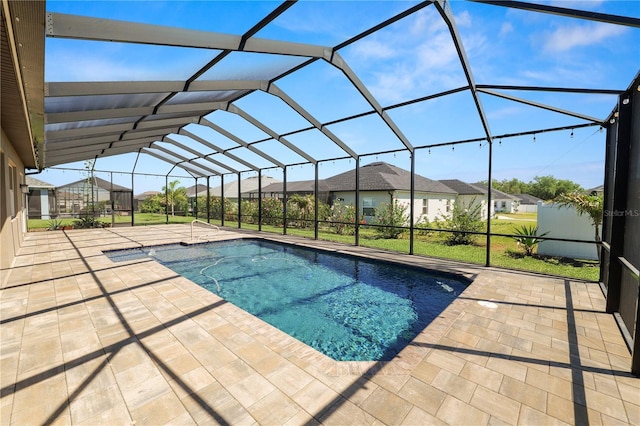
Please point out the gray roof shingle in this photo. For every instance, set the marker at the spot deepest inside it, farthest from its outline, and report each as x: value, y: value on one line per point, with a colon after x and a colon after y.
x: 380, y: 176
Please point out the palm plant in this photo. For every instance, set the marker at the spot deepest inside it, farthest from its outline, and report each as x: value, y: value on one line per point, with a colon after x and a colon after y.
x: 528, y: 238
x: 175, y: 195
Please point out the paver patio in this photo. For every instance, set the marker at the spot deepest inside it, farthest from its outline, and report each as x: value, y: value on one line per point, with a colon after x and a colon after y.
x: 88, y: 341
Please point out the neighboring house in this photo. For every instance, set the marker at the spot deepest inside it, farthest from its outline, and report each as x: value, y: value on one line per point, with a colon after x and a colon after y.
x: 77, y: 197
x: 565, y: 222
x: 469, y: 193
x: 137, y: 199
x: 598, y: 190
x: 382, y: 183
x: 527, y: 203
x: 248, y: 188
x: 300, y: 187
x: 502, y: 202
x: 143, y: 196
x: 41, y: 199
x: 193, y: 191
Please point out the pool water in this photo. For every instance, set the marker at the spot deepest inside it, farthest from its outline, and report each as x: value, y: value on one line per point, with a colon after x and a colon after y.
x: 346, y: 307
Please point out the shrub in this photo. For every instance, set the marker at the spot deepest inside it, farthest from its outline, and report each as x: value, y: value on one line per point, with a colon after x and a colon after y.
x: 87, y: 222
x: 528, y: 238
x: 464, y: 220
x: 272, y: 211
x: 54, y: 224
x: 342, y: 216
x: 249, y: 210
x: 153, y: 204
x: 392, y: 216
x: 423, y: 222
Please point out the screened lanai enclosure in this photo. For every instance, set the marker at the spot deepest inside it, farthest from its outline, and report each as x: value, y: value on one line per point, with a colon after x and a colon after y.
x: 375, y: 123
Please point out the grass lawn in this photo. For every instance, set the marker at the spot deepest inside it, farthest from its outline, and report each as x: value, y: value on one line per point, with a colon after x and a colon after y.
x: 520, y: 216
x: 504, y: 251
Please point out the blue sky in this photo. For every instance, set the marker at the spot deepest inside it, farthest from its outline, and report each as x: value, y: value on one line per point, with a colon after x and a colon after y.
x: 412, y: 58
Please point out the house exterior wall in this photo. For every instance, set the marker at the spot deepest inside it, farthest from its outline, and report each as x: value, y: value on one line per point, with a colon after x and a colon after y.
x: 369, y: 201
x: 503, y: 205
x: 12, y: 203
x: 481, y: 199
x: 565, y: 223
x: 437, y: 205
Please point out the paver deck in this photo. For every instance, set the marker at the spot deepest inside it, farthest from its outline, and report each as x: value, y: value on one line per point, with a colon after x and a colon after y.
x: 88, y: 341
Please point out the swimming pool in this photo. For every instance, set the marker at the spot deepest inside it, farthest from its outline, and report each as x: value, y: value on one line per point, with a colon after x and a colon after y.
x: 349, y: 308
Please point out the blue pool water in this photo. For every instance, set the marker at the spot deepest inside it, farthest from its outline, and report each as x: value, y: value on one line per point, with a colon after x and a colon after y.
x: 348, y: 308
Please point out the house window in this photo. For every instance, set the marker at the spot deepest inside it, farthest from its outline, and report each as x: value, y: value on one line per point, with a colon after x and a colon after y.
x: 448, y: 206
x: 425, y: 206
x: 368, y: 208
x: 12, y: 190
x: 504, y: 204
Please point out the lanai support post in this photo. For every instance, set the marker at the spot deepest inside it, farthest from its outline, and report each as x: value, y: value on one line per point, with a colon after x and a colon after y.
x: 489, y: 201
x: 315, y: 203
x: 196, y: 196
x: 413, y: 195
x: 133, y: 170
x: 222, y: 200
x: 284, y: 200
x: 239, y: 200
x: 166, y: 197
x: 260, y: 200
x: 357, y: 218
x: 208, y: 199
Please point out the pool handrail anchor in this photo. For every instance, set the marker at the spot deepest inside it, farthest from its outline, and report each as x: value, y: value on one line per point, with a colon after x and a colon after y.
x: 215, y: 227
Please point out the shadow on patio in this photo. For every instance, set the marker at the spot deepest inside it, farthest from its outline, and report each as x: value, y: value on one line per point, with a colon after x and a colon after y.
x: 100, y: 343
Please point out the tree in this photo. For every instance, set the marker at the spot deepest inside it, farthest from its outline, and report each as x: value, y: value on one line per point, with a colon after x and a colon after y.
x: 543, y: 187
x: 175, y: 195
x: 153, y: 204
x: 585, y: 204
x: 464, y: 221
x: 512, y: 186
x: 549, y: 188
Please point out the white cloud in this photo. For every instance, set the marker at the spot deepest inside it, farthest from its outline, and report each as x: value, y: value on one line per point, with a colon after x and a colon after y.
x: 463, y: 19
x: 398, y: 66
x: 505, y: 29
x: 568, y: 37
x: 373, y: 49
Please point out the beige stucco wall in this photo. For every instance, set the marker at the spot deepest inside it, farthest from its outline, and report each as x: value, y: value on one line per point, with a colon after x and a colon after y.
x: 467, y: 200
x: 436, y: 202
x: 13, y: 228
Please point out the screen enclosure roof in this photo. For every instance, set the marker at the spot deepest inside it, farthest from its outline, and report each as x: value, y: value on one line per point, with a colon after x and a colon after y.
x: 280, y: 84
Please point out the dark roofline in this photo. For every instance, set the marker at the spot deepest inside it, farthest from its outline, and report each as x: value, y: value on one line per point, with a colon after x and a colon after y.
x: 101, y: 183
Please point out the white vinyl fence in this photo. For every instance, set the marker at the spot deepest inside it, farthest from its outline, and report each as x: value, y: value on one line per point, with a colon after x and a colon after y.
x: 565, y: 222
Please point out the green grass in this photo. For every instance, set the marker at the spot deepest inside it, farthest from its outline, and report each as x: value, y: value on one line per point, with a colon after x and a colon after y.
x: 504, y: 251
x: 520, y: 216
